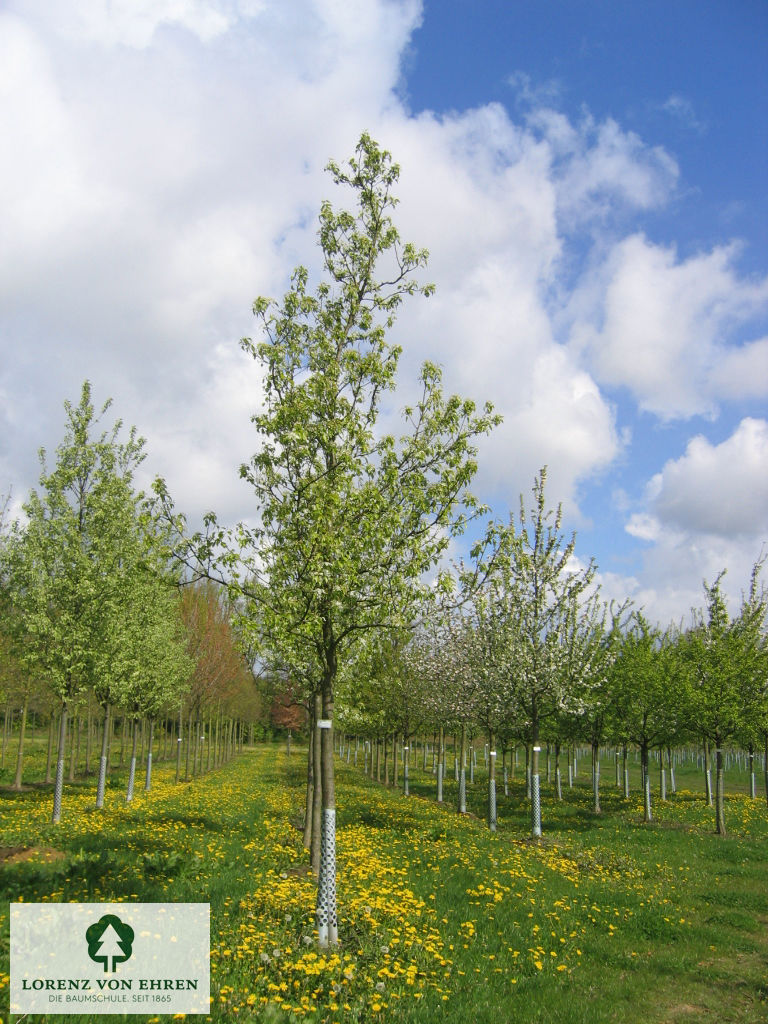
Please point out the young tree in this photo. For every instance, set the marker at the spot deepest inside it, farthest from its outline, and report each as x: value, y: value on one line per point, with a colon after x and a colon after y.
x: 350, y: 519
x: 725, y: 658
x: 66, y: 563
x: 543, y: 590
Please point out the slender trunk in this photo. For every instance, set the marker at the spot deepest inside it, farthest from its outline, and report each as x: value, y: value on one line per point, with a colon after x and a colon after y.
x: 308, y: 794
x: 625, y: 766
x: 765, y: 764
x: 645, y: 770
x: 535, y: 783
x: 440, y: 764
x: 719, y: 790
x: 317, y: 797
x: 463, y: 771
x: 386, y: 760
x: 406, y: 757
x: 20, y: 754
x: 327, y: 924
x: 148, y: 776
x: 179, y: 740
x: 8, y: 714
x: 189, y: 748
x: 491, y: 782
x: 59, y: 786
x: 558, y: 778
x: 74, y: 727
x: 671, y: 766
x: 89, y: 734
x: 104, y: 759
x: 596, y: 777
x: 49, y: 754
x: 707, y: 773
x: 132, y: 769
x: 751, y: 757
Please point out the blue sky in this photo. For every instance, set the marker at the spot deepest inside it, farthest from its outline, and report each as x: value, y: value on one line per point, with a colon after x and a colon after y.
x: 589, y: 179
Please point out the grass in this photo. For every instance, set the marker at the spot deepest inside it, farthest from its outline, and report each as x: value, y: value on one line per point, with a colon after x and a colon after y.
x: 606, y: 919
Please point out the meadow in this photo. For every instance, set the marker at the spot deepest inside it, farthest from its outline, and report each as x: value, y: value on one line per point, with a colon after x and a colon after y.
x: 605, y: 919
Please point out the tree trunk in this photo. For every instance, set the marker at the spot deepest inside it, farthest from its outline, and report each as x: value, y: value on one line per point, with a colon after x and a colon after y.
x: 49, y: 754
x: 88, y: 735
x: 535, y: 783
x: 463, y: 771
x: 596, y: 777
x: 148, y: 775
x: 707, y: 773
x: 317, y: 797
x: 645, y: 769
x: 179, y: 741
x: 558, y: 777
x: 74, y: 728
x: 308, y: 794
x: 440, y: 764
x: 406, y: 760
x: 8, y: 714
x: 59, y: 786
x: 20, y: 754
x: 625, y: 770
x: 719, y: 790
x: 132, y: 768
x: 104, y: 759
x: 327, y: 924
x: 491, y: 782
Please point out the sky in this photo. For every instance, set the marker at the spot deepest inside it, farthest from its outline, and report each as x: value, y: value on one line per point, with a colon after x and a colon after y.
x: 589, y: 178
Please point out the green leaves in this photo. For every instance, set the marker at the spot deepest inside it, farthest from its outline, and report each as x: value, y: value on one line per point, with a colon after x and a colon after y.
x: 349, y: 520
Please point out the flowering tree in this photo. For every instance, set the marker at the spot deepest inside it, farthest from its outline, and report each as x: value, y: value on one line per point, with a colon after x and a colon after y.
x: 350, y: 519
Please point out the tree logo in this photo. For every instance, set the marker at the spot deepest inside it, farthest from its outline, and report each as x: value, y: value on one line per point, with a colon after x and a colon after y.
x: 109, y: 939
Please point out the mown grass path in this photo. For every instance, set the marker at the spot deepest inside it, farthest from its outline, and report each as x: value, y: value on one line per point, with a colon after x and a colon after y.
x: 605, y: 920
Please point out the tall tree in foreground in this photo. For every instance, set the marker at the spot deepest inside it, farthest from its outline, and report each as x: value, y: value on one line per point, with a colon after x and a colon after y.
x: 350, y: 519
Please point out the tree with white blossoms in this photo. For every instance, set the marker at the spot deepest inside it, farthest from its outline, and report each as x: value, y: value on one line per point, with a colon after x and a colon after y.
x: 67, y: 561
x: 490, y: 659
x: 350, y: 519
x: 544, y: 587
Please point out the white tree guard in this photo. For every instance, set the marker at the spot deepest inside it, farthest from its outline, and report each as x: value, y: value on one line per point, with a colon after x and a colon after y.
x: 536, y: 805
x: 100, y: 785
x: 131, y: 778
x: 327, y: 922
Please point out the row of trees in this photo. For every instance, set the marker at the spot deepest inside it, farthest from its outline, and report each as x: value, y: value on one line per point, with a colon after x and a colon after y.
x: 591, y: 674
x: 93, y: 613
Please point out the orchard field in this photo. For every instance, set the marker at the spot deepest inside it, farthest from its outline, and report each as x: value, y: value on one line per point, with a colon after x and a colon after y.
x: 606, y: 918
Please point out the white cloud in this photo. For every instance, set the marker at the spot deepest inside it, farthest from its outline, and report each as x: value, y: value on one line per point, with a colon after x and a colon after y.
x: 718, y: 489
x: 704, y: 512
x: 665, y: 329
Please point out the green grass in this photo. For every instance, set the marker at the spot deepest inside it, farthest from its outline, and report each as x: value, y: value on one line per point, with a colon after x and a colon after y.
x: 606, y: 919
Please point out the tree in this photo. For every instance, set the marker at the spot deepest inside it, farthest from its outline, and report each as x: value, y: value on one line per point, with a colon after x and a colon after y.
x: 350, y: 519
x: 67, y: 564
x: 542, y: 590
x: 725, y: 656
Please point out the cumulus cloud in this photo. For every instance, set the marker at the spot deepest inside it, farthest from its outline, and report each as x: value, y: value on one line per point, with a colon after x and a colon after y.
x: 667, y: 329
x: 717, y: 489
x: 704, y: 512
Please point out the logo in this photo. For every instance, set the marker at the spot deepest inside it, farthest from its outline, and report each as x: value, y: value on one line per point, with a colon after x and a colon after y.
x: 109, y: 939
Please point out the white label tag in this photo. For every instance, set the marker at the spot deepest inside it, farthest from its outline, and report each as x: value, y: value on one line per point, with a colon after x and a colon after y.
x: 324, y: 723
